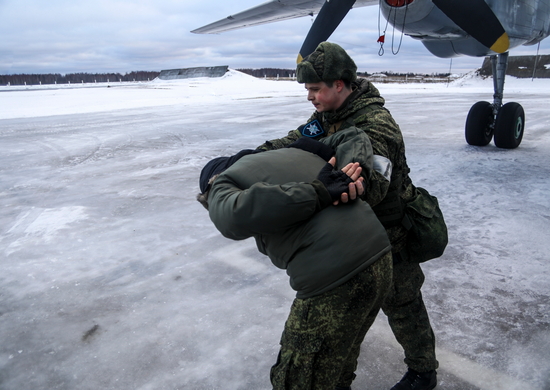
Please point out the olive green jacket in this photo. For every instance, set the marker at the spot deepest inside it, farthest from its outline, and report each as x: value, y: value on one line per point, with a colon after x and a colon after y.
x: 364, y: 110
x: 274, y: 197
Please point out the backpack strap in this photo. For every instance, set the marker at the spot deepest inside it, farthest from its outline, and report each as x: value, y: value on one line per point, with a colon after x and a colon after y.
x: 350, y: 121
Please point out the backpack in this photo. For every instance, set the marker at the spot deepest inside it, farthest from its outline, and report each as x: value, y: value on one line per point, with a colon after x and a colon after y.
x: 421, y: 216
x: 427, y: 235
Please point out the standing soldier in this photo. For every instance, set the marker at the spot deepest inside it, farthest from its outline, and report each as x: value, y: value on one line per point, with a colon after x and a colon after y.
x: 342, y: 101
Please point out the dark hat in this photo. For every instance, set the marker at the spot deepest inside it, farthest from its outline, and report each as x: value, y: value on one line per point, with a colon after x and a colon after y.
x: 329, y: 62
x: 218, y: 165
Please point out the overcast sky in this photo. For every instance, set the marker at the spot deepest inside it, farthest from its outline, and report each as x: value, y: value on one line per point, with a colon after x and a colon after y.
x: 68, y: 36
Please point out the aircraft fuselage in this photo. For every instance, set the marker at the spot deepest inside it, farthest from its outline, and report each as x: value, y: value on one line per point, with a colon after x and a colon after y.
x: 525, y: 21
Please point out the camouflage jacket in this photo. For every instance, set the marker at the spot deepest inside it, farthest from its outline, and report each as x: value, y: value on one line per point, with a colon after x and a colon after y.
x: 364, y: 110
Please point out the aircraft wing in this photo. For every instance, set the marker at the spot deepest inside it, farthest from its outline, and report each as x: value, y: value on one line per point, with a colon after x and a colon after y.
x: 271, y: 11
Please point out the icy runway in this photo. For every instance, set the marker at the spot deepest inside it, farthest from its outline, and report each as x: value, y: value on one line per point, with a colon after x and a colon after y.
x: 113, y: 276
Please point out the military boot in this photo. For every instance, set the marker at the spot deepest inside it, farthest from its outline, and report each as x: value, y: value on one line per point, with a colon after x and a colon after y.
x: 414, y: 380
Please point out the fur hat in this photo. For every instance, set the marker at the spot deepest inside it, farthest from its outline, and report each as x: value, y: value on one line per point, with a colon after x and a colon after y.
x: 329, y: 62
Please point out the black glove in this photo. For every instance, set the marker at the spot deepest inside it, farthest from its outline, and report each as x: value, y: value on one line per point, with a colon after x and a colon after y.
x: 313, y: 146
x: 336, y: 182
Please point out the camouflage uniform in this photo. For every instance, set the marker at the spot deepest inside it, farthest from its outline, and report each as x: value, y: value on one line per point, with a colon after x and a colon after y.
x: 404, y: 307
x: 316, y: 349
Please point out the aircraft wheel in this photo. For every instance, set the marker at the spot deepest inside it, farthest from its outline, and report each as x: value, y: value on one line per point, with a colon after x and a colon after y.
x: 479, y: 122
x: 509, y: 126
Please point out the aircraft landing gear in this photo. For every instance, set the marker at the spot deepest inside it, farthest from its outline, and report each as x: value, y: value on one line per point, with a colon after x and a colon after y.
x: 480, y: 124
x: 505, y: 122
x: 509, y: 126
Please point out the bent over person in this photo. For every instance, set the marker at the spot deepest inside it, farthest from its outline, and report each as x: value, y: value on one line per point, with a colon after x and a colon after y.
x: 285, y: 200
x: 341, y: 100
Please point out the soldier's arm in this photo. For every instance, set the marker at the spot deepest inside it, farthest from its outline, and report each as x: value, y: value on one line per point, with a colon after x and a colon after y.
x: 376, y: 189
x: 383, y: 132
x: 239, y: 214
x: 269, y: 209
x: 280, y: 142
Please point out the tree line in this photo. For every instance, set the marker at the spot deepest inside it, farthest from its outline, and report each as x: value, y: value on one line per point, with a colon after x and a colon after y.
x: 269, y: 72
x: 275, y: 72
x: 406, y: 74
x: 73, y: 78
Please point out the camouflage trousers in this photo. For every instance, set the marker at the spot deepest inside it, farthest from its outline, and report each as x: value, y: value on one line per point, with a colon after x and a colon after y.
x: 323, y: 334
x: 408, y: 317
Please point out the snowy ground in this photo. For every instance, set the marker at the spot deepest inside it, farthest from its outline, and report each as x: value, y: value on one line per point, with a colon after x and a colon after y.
x: 113, y: 277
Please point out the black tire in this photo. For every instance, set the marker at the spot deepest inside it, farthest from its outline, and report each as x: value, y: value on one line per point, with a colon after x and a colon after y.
x: 509, y: 126
x: 479, y: 129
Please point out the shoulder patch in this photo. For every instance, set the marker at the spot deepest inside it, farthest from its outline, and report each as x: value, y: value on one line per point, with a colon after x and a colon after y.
x: 312, y: 129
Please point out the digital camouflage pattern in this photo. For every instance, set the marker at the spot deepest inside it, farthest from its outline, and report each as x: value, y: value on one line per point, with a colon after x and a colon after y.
x: 385, y: 136
x: 329, y: 61
x: 323, y: 334
x: 408, y: 317
x: 404, y: 307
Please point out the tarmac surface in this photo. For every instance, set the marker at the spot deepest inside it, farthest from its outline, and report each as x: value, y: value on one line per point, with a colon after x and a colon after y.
x: 113, y: 276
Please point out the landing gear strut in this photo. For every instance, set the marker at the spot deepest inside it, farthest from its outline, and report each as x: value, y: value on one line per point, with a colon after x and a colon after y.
x: 503, y: 122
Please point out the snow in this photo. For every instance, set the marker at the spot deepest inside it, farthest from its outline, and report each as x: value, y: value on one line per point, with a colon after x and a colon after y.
x: 115, y: 278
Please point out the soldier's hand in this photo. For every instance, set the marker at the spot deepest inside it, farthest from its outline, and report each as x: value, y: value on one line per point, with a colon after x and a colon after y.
x: 355, y: 189
x: 336, y: 182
